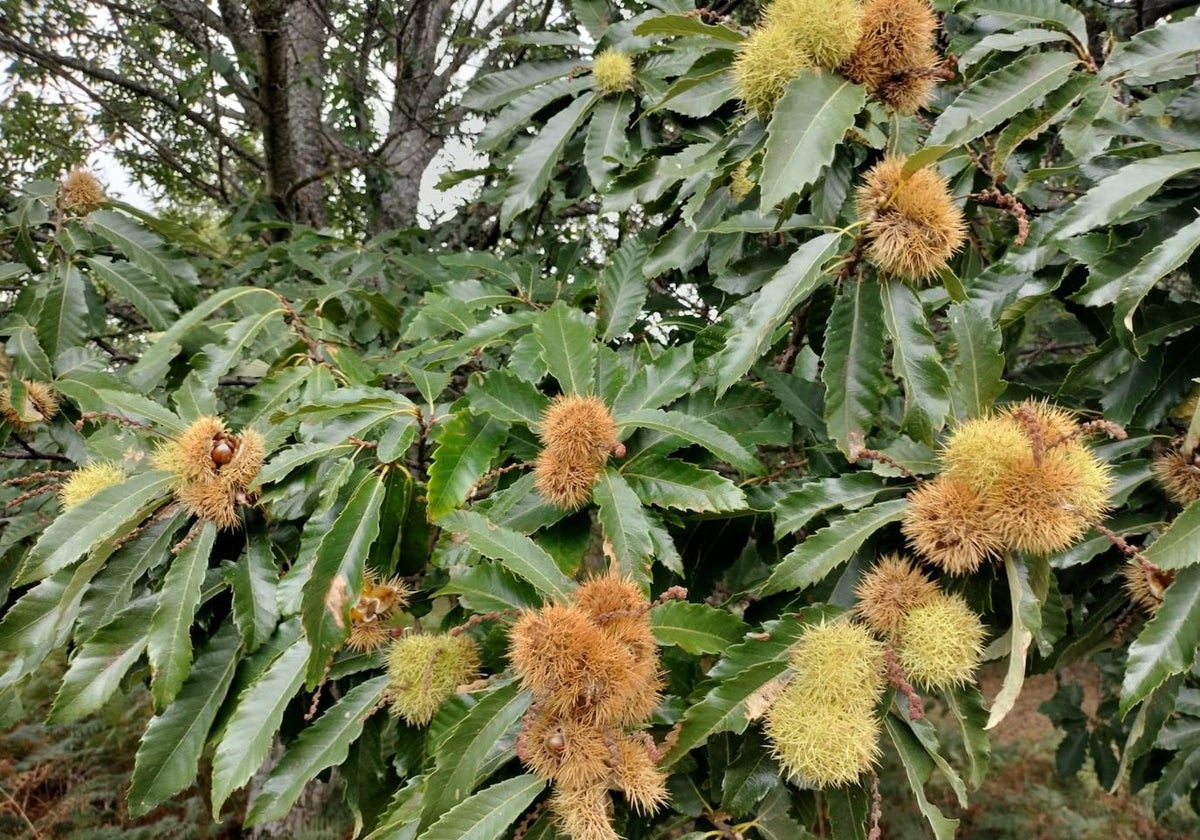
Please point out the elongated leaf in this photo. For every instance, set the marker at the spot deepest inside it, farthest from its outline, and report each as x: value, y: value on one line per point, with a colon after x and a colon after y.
x: 622, y: 288
x: 1120, y: 192
x: 487, y: 814
x: 671, y: 376
x: 748, y: 338
x: 693, y: 430
x: 488, y: 586
x: 154, y: 361
x: 743, y: 670
x: 798, y: 507
x: 491, y: 90
x: 29, y: 358
x: 533, y: 166
x: 325, y: 743
x: 170, y: 643
x: 147, y: 295
x: 916, y: 360
x: 623, y: 521
x: 84, y: 393
x: 467, y: 445
x: 1177, y: 546
x: 1000, y: 95
x: 520, y: 112
x: 697, y: 628
x: 98, y: 667
x: 254, y: 580
x: 169, y: 755
x: 568, y: 344
x: 1032, y: 12
x: 463, y: 756
x: 667, y: 482
x: 520, y: 555
x: 853, y: 376
x: 337, y: 573
x: 687, y: 25
x: 62, y: 322
x: 1167, y: 644
x: 219, y: 359
x: 143, y: 249
x: 254, y: 721
x: 1168, y: 256
x: 1157, y: 53
x: 606, y: 143
x: 978, y: 363
x: 1007, y: 42
x: 508, y: 397
x: 967, y: 706
x: 1179, y: 778
x: 828, y: 548
x: 111, y: 513
x: 917, y: 767
x: 1022, y: 597
x: 806, y: 127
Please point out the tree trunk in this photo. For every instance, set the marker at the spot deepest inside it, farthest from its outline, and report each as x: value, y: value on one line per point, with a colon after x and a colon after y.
x: 307, y: 36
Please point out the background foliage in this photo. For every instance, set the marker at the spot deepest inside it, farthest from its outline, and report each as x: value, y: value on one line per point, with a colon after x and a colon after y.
x: 395, y: 374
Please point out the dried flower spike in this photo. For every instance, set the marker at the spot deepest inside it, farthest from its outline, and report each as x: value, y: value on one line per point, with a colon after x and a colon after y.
x: 740, y: 183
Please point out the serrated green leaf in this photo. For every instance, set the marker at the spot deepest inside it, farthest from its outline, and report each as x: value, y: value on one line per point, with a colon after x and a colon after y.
x: 825, y: 550
x: 685, y: 25
x: 85, y: 393
x: 467, y: 444
x: 624, y: 524
x: 1157, y: 53
x: 853, y: 376
x: 148, y: 296
x: 1148, y: 723
x: 749, y: 337
x: 568, y: 344
x: 169, y: 647
x: 743, y: 670
x: 797, y: 508
x: 519, y: 113
x: 337, y: 573
x: 1179, y: 778
x: 917, y: 767
x: 294, y: 457
x: 1171, y: 253
x: 152, y: 365
x: 62, y: 321
x: 463, y: 757
x: 1007, y: 42
x: 1116, y: 195
x: 532, y: 169
x: 696, y: 628
x: 749, y: 779
x: 622, y: 288
x: 1022, y: 600
x: 1179, y: 545
x: 606, y: 142
x: 487, y: 814
x: 254, y: 580
x: 489, y: 91
x: 1032, y: 12
x: 143, y: 249
x: 254, y: 721
x: 520, y: 555
x: 219, y: 359
x: 849, y: 806
x: 967, y: 705
x: 915, y: 359
x: 111, y: 513
x: 487, y: 587
x: 671, y: 376
x: 978, y: 364
x: 806, y: 127
x: 29, y: 359
x: 1000, y: 95
x: 99, y: 665
x: 694, y: 430
x: 508, y: 397
x: 325, y: 743
x: 169, y: 756
x: 670, y: 483
x: 1167, y: 644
